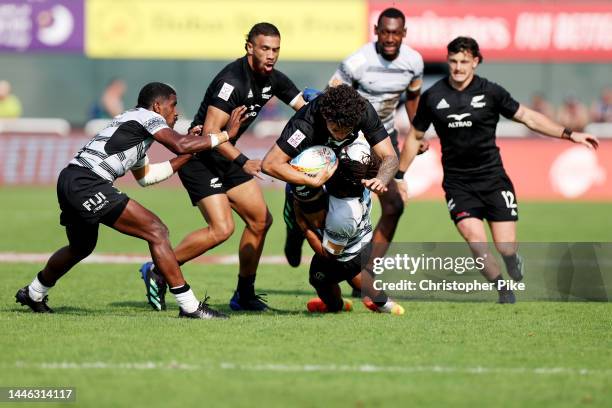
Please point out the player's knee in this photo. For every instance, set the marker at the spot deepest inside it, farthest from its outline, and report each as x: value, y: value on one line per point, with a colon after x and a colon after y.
x: 222, y: 230
x: 158, y: 232
x: 82, y: 249
x: 474, y: 236
x: 260, y: 226
x: 506, y: 248
x: 472, y: 233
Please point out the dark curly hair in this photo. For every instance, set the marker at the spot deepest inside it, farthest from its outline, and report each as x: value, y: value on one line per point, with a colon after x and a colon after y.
x: 465, y: 44
x: 342, y: 105
x: 346, y: 181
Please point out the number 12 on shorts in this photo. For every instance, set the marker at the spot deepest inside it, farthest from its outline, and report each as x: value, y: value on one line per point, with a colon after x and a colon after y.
x: 509, y: 199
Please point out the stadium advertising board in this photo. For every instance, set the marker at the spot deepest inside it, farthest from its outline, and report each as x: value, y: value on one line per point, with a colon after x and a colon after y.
x: 216, y: 29
x: 540, y: 168
x: 41, y: 26
x: 521, y: 31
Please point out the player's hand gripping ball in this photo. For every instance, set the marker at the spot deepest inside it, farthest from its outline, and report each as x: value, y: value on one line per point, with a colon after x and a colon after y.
x: 314, y: 159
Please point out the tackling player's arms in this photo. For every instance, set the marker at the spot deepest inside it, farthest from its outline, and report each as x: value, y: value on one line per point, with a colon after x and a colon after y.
x: 310, y: 224
x: 148, y: 174
x: 184, y: 145
x: 194, y: 141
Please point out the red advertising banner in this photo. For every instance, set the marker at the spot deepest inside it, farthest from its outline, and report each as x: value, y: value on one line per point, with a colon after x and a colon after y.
x: 540, y: 168
x: 515, y: 31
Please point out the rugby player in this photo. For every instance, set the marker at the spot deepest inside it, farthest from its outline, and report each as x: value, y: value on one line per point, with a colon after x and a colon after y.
x: 87, y: 197
x: 221, y: 180
x: 381, y: 71
x: 342, y: 213
x: 334, y: 119
x: 464, y: 110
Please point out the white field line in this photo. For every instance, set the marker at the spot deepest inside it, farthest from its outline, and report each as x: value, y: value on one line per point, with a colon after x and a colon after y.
x: 306, y: 368
x: 42, y: 257
x: 23, y: 257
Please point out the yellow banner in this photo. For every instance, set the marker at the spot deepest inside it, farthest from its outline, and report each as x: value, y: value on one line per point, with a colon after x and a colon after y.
x: 216, y: 29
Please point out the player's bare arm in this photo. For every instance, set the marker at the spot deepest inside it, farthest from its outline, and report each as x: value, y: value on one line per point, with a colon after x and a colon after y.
x: 411, y: 148
x: 298, y: 102
x: 193, y: 143
x: 541, y: 124
x: 276, y: 164
x: 388, y: 167
x: 150, y: 174
x: 216, y: 119
x: 308, y: 226
x: 413, y: 93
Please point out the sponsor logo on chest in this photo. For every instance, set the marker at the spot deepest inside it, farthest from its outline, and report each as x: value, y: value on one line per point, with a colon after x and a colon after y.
x: 458, y: 120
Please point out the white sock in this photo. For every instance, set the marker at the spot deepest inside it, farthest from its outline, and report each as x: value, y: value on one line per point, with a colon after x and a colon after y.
x: 187, y: 301
x: 387, y: 307
x: 37, y: 290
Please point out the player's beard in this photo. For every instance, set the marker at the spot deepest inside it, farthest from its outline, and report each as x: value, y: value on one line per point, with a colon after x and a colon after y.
x: 260, y: 67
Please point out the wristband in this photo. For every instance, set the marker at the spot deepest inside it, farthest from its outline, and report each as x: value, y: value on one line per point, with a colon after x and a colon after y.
x: 567, y: 134
x: 241, y: 160
x: 400, y: 175
x: 217, y: 138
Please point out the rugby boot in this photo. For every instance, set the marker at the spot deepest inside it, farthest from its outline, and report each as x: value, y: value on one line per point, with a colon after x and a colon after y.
x: 23, y: 296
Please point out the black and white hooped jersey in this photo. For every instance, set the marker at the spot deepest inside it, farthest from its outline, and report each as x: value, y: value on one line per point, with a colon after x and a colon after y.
x: 380, y: 81
x: 348, y: 223
x: 238, y: 85
x: 308, y: 128
x: 121, y: 145
x: 465, y: 122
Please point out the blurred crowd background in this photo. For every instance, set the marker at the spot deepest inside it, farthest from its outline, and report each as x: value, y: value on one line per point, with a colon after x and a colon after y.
x: 85, y: 59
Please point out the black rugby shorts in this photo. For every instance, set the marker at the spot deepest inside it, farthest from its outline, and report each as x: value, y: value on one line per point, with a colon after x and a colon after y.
x: 86, y: 198
x: 209, y: 173
x: 489, y: 197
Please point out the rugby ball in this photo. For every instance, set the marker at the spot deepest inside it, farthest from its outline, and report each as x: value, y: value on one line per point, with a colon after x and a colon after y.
x: 313, y: 160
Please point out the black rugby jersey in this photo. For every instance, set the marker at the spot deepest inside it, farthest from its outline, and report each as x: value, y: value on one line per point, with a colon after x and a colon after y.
x: 465, y: 122
x: 238, y: 85
x: 308, y: 128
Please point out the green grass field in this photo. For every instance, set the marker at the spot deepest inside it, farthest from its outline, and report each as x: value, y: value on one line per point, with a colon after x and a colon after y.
x: 105, y: 341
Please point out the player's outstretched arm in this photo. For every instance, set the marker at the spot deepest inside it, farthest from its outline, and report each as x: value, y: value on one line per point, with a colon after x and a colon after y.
x: 195, y: 142
x: 276, y: 164
x: 388, y: 167
x: 541, y: 124
x: 216, y: 119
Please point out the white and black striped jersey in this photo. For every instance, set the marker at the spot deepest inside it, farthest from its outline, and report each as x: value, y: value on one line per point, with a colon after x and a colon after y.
x: 122, y: 144
x: 380, y: 81
x: 348, y: 224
